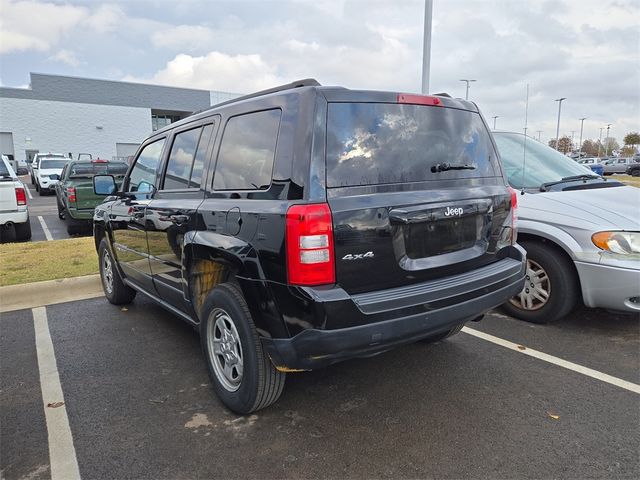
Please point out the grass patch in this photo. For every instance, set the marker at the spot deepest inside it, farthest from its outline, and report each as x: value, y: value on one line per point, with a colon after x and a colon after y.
x: 38, y: 261
x: 627, y: 180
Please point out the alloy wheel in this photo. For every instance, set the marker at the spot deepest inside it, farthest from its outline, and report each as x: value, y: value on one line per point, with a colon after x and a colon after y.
x: 537, y: 288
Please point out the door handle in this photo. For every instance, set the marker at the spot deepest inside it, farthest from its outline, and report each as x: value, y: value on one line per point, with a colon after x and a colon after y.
x: 179, y: 219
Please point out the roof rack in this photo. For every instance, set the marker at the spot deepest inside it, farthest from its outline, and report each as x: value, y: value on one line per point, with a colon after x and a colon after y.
x: 305, y: 82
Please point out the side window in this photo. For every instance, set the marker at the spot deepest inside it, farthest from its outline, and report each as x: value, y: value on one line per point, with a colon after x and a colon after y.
x: 247, y: 151
x: 181, y: 159
x: 143, y: 175
x: 198, y: 164
x: 186, y: 161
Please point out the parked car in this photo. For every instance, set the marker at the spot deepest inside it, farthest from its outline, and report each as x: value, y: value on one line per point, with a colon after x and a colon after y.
x: 48, y: 173
x: 593, y: 164
x: 75, y: 197
x: 312, y: 224
x: 617, y: 165
x: 14, y: 213
x: 33, y: 166
x: 581, y: 233
x: 633, y: 169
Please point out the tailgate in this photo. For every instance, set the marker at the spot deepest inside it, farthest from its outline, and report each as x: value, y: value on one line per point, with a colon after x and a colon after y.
x: 399, y: 215
x: 8, y: 201
x: 86, y: 199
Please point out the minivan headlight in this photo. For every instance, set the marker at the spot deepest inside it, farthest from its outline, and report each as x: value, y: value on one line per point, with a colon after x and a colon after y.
x: 624, y: 243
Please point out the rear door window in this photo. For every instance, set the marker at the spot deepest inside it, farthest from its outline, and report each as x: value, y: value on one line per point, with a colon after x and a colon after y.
x: 247, y: 151
x: 380, y: 143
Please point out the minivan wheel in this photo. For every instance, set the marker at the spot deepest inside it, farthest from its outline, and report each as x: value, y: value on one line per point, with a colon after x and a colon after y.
x: 243, y: 377
x: 114, y: 288
x: 551, y: 289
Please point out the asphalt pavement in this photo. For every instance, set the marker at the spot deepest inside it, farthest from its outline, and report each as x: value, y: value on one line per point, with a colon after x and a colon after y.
x: 140, y: 405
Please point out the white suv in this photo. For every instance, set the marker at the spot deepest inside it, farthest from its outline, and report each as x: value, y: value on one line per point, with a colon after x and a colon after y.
x: 14, y: 215
x: 48, y: 173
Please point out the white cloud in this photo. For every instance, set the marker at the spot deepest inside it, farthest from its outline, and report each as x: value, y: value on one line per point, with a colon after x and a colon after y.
x: 66, y: 56
x: 185, y: 37
x: 106, y: 19
x: 216, y: 71
x: 31, y: 25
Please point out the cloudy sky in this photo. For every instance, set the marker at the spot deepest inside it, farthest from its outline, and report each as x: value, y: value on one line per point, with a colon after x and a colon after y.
x: 585, y: 50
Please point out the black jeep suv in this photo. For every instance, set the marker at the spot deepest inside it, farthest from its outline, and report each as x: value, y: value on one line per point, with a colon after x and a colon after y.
x: 305, y: 225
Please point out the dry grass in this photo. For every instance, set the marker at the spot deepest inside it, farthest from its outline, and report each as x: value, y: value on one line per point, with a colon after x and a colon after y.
x: 627, y: 179
x: 37, y: 261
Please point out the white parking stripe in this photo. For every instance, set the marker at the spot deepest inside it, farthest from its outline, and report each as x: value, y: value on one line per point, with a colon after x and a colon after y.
x: 603, y: 377
x: 62, y: 453
x: 28, y: 192
x: 47, y: 233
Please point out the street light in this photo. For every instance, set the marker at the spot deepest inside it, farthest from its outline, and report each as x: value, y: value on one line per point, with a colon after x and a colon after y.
x: 600, y: 140
x: 559, y: 100
x: 467, y: 81
x: 581, y: 127
x: 426, y: 45
x: 494, y: 121
x: 539, y: 132
x: 606, y: 150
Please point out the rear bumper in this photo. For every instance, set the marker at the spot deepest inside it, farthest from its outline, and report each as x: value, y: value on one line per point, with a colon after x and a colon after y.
x: 432, y: 308
x: 85, y: 216
x: 14, y: 217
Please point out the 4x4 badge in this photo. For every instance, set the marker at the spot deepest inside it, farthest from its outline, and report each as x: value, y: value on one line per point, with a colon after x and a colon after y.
x: 358, y: 256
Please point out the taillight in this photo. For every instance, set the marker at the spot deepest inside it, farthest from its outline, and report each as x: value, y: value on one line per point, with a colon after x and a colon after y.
x: 309, y: 243
x: 514, y: 215
x: 21, y: 196
x: 71, y: 194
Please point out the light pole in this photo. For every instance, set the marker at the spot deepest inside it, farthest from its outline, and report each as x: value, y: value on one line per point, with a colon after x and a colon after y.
x: 600, y: 140
x: 559, y: 100
x: 467, y: 81
x: 573, y: 132
x: 581, y: 128
x: 426, y: 47
x: 606, y: 150
x: 539, y: 132
x: 494, y: 121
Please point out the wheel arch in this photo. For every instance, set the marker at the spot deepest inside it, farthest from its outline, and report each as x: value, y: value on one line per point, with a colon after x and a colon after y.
x: 210, y: 259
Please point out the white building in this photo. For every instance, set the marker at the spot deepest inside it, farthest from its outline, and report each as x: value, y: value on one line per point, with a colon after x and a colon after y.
x: 106, y: 118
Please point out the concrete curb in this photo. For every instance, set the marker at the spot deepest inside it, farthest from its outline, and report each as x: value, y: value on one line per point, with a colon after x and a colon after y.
x: 49, y: 292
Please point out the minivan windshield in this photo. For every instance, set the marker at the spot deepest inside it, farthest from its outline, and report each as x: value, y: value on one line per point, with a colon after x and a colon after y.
x: 543, y: 164
x: 381, y: 143
x: 46, y: 163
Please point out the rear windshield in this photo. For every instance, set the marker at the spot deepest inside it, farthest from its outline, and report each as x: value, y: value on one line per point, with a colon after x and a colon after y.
x: 45, y: 163
x: 376, y: 143
x: 89, y: 169
x: 4, y: 171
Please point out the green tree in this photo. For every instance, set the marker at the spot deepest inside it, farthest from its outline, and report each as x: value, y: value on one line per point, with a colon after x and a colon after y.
x: 627, y: 151
x: 632, y: 139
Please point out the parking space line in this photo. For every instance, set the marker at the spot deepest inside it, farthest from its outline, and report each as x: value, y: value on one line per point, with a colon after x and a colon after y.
x: 28, y: 192
x: 47, y: 233
x: 603, y: 377
x: 62, y: 453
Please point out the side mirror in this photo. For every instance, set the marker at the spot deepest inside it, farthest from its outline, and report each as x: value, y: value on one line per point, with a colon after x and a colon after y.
x: 104, y: 185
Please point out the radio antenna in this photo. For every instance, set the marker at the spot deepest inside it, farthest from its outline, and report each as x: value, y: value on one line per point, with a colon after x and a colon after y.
x: 524, y: 144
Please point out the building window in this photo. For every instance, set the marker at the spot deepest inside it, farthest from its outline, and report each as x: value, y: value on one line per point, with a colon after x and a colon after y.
x: 161, y: 121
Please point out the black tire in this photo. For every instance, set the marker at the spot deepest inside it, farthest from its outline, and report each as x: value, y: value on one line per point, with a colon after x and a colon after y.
x: 61, y: 211
x: 635, y: 173
x: 72, y: 228
x: 258, y: 384
x: 41, y: 192
x: 37, y: 187
x: 114, y: 288
x: 562, y: 286
x: 441, y: 336
x: 23, y: 231
x: 8, y: 234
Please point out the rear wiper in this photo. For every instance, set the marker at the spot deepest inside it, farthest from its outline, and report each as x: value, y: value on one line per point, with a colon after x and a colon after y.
x: 443, y: 167
x: 545, y: 186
